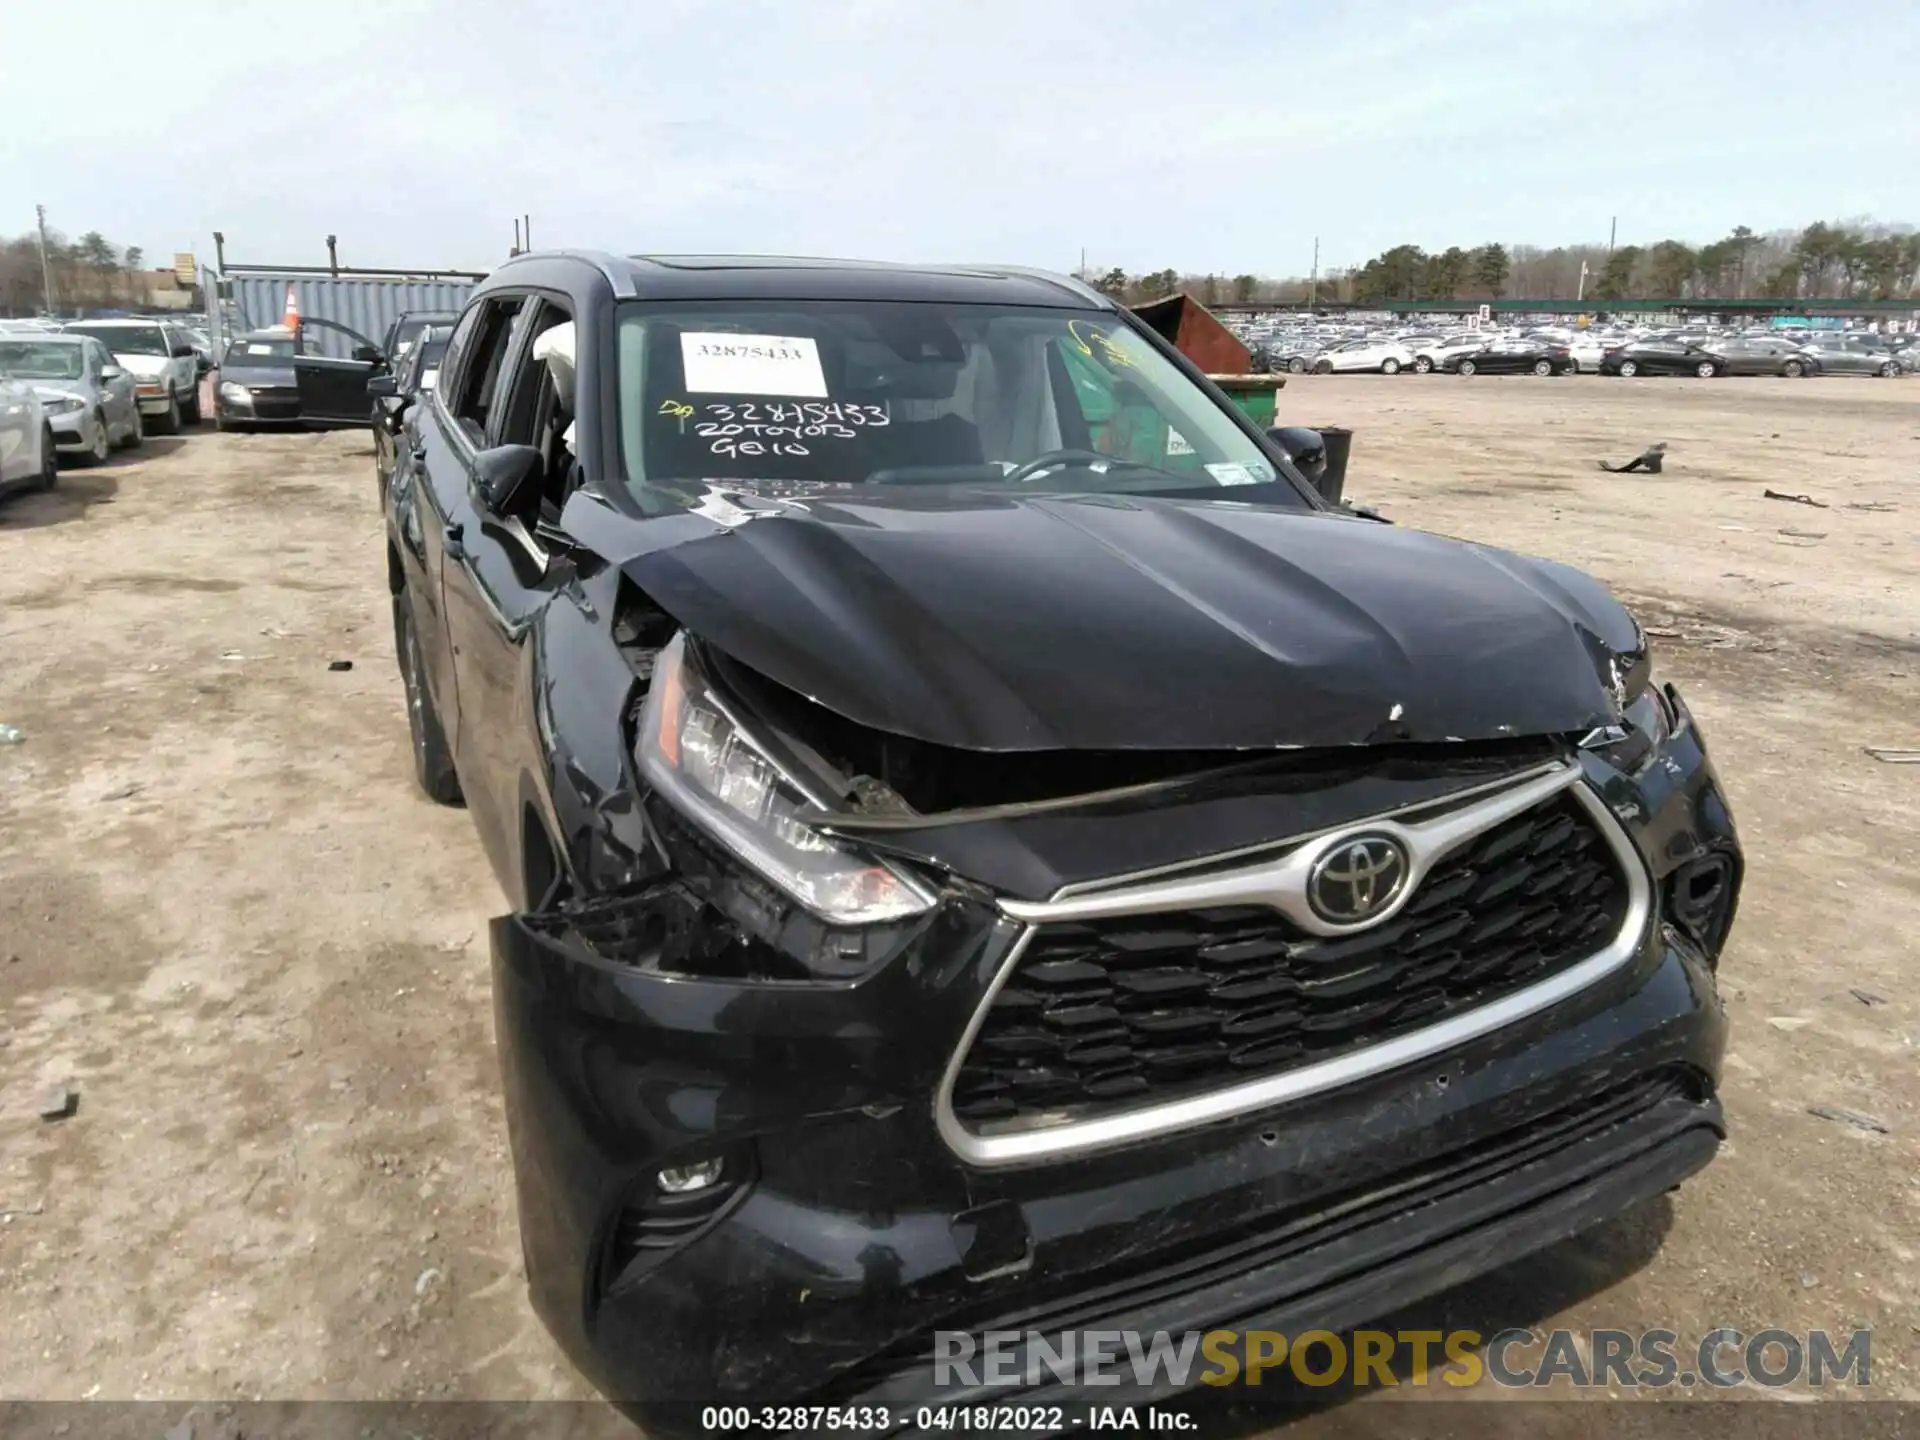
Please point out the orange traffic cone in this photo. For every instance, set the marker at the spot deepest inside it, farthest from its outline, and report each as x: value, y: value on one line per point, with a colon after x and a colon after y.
x: 292, y: 319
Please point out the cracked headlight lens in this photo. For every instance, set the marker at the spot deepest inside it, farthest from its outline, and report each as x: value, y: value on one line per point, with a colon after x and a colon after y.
x: 700, y: 758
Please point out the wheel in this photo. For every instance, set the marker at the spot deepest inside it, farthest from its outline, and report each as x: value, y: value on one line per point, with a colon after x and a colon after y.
x: 100, y: 446
x: 1389, y: 367
x: 170, y: 422
x: 1422, y: 365
x: 432, y: 760
x: 1794, y: 369
x: 1706, y: 369
x: 1325, y: 367
x: 136, y: 435
x: 1296, y: 366
x: 1885, y: 372
x: 49, y: 461
x: 1543, y: 367
x: 1629, y: 368
x: 1467, y: 367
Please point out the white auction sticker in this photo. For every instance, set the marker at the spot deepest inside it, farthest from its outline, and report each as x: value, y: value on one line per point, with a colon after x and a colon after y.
x: 752, y: 364
x: 1229, y: 473
x: 1177, y: 444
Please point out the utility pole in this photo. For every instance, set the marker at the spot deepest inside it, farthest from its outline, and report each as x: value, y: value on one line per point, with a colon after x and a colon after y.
x: 1613, y: 229
x: 46, y: 271
x: 1313, y: 277
x: 1582, y: 294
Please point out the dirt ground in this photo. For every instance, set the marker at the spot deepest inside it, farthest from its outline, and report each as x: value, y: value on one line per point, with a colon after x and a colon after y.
x: 229, y: 921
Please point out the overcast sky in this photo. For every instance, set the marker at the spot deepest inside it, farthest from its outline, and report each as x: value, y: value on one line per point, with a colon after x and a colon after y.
x: 1220, y: 135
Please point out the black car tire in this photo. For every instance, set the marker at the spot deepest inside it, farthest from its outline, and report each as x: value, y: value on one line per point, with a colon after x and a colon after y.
x: 1389, y: 366
x: 432, y: 758
x: 1297, y: 366
x: 1629, y: 368
x: 1886, y: 371
x: 1793, y: 369
x: 1422, y: 365
x: 102, y: 446
x: 1543, y: 367
x: 1706, y: 369
x: 1466, y: 367
x: 49, y: 460
x: 1325, y: 367
x: 137, y: 436
x: 170, y: 422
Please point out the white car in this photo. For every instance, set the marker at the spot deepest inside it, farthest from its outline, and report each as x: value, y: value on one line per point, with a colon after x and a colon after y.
x: 1389, y: 357
x: 1434, y: 354
x: 1586, y: 350
x: 166, y: 367
x: 27, y: 454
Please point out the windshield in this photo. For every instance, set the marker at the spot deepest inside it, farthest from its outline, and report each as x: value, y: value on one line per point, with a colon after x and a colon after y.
x: 245, y: 352
x: 793, y: 397
x: 125, y: 339
x: 26, y: 360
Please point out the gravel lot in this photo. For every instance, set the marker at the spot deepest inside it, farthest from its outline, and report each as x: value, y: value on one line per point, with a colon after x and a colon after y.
x: 230, y: 922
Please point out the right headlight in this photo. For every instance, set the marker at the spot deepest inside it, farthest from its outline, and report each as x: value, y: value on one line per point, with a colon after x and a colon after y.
x: 703, y: 762
x: 236, y: 394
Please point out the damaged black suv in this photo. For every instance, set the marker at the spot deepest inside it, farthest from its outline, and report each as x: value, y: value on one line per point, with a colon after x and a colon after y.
x: 988, y: 847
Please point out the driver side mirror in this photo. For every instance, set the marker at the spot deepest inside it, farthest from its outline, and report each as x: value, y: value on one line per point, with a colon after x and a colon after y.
x: 1307, y: 449
x: 112, y: 372
x: 182, y: 352
x: 367, y: 354
x: 383, y: 387
x: 503, y: 476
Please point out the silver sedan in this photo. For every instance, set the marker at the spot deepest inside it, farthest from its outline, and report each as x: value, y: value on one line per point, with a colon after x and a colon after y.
x: 87, y: 395
x: 1841, y: 359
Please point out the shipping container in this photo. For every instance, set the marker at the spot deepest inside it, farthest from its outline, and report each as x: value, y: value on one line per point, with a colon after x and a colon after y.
x: 256, y: 297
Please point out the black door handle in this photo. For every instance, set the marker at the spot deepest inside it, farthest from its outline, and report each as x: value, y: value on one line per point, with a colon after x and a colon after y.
x: 451, y: 535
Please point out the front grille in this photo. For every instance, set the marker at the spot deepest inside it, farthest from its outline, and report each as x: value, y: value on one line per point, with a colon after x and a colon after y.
x: 1396, y: 1203
x: 280, y: 404
x: 1110, y: 1015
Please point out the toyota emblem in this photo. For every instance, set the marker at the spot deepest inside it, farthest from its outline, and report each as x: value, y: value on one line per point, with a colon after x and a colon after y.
x: 1358, y: 879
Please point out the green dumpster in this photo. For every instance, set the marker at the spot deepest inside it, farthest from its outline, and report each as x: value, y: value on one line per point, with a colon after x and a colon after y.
x: 1254, y: 394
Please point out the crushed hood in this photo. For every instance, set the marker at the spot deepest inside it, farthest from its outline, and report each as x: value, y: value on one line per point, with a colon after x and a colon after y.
x: 995, y: 622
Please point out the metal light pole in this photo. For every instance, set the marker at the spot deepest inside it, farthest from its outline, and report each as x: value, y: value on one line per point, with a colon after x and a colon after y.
x: 1313, y: 278
x: 46, y: 271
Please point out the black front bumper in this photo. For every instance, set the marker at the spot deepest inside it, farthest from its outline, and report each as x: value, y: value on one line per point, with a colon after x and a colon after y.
x: 846, y: 1232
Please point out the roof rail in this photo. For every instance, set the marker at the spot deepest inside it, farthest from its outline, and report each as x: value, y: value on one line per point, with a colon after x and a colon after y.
x: 1071, y: 284
x: 618, y: 272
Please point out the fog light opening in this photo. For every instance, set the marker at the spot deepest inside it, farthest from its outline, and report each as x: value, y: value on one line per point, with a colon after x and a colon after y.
x: 690, y: 1178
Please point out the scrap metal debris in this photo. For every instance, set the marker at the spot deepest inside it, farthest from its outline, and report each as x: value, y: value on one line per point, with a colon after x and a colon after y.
x: 59, y: 1103
x: 1878, y: 506
x: 1868, y: 998
x: 1849, y: 1117
x: 1647, y: 462
x: 1797, y: 499
x: 338, y: 665
x: 1894, y: 757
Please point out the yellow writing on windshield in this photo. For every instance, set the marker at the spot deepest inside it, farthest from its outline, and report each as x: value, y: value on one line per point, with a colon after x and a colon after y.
x: 1095, y: 343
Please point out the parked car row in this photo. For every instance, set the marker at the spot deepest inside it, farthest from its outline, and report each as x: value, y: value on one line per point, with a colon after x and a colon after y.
x: 1479, y: 353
